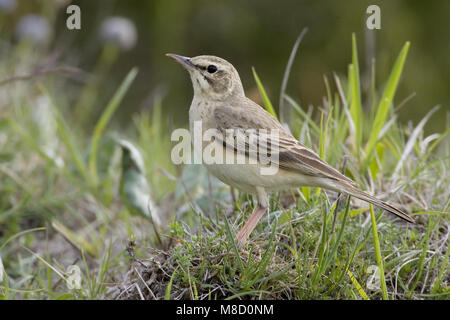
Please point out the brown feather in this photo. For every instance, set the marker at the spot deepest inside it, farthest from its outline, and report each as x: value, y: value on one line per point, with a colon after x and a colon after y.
x: 293, y: 156
x: 348, y: 189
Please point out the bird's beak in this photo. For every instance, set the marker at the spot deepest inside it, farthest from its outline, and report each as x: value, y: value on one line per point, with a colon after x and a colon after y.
x: 184, y: 61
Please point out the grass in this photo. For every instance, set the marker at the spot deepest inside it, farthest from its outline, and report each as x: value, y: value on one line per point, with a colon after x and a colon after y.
x: 376, y: 245
x: 60, y: 204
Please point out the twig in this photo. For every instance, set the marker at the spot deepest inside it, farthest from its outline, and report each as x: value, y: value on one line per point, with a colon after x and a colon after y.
x: 139, y: 291
x: 40, y: 72
x: 284, y: 115
x: 145, y: 283
x: 401, y: 104
x: 130, y: 249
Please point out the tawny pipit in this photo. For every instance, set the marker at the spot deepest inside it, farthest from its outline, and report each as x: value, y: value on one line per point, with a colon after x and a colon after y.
x: 220, y: 103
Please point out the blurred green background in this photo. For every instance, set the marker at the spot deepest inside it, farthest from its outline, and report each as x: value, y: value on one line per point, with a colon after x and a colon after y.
x: 257, y: 33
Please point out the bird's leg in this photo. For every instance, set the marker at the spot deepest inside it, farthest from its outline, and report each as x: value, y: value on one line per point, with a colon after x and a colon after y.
x: 263, y: 204
x: 251, y: 223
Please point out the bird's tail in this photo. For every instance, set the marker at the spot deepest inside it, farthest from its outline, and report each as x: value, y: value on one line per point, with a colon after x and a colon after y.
x: 345, y: 188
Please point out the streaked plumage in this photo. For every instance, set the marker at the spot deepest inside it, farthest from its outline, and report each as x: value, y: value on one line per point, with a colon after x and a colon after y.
x: 220, y: 103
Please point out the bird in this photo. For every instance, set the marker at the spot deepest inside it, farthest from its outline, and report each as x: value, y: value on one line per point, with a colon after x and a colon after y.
x: 220, y: 104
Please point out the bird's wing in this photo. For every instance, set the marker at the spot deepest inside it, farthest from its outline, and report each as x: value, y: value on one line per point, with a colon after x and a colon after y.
x: 241, y: 128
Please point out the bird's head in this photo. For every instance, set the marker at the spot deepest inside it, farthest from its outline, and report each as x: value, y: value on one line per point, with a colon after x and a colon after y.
x: 212, y: 77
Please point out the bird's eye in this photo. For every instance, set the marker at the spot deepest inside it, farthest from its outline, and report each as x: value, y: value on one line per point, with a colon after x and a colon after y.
x: 211, y: 68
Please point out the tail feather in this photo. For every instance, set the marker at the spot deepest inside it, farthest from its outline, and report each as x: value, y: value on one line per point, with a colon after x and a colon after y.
x: 377, y: 202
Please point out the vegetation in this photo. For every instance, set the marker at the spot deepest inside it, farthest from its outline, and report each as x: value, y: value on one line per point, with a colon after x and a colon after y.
x: 60, y: 203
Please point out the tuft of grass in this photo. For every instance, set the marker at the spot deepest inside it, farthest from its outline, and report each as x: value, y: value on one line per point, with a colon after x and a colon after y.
x: 385, y: 102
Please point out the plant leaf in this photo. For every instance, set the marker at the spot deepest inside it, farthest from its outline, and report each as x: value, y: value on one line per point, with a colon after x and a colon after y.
x: 263, y: 94
x: 104, y: 120
x: 385, y: 102
x: 355, y: 96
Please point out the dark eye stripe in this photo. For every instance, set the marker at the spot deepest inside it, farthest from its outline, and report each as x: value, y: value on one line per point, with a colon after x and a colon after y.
x: 207, y: 68
x: 199, y: 66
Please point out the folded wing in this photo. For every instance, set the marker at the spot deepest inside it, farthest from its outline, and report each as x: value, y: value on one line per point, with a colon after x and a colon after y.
x: 252, y: 130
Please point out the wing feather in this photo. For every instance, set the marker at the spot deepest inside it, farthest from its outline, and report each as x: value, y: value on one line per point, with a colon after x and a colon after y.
x: 241, y: 128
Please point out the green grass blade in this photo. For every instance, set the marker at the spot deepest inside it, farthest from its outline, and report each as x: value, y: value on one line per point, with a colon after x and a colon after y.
x: 355, y: 96
x: 76, y: 240
x: 262, y: 266
x: 373, y: 93
x: 322, y: 137
x: 329, y: 95
x: 303, y: 114
x: 263, y: 94
x: 169, y: 285
x: 321, y: 248
x: 386, y: 101
x: 54, y: 269
x: 341, y: 232
x: 30, y: 141
x: 233, y: 243
x: 67, y: 139
x: 4, y: 243
x: 284, y: 112
x: 66, y: 135
x: 324, y: 133
x: 104, y: 120
x: 376, y: 244
x: 358, y: 287
x: 425, y: 245
x: 438, y: 282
